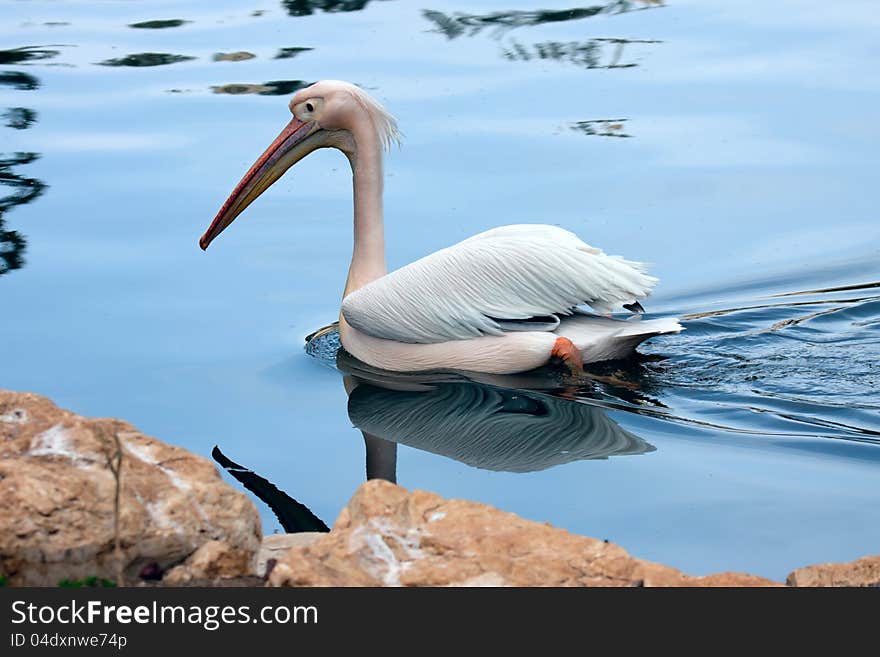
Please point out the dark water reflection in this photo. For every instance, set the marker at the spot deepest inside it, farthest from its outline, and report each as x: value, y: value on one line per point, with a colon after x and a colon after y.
x: 20, y: 118
x: 595, y: 53
x: 12, y: 247
x: 290, y: 53
x: 23, y: 189
x: 146, y: 59
x: 15, y: 187
x: 158, y: 24
x: 19, y: 80
x: 602, y: 127
x: 292, y: 515
x: 274, y: 88
x: 309, y: 7
x: 26, y: 54
x: 462, y: 24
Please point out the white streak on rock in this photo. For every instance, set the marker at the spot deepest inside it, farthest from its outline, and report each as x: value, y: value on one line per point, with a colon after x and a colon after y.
x: 159, y: 515
x: 55, y: 441
x: 15, y: 416
x: 382, y: 562
x: 145, y: 454
x: 157, y: 512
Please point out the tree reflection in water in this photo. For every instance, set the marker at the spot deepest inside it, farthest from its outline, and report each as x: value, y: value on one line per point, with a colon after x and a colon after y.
x: 274, y: 88
x: 26, y: 54
x: 309, y: 7
x: 586, y: 54
x: 158, y: 25
x: 602, y: 127
x: 22, y: 189
x: 146, y: 59
x: 19, y: 80
x: 592, y: 53
x: 19, y: 118
x: 459, y: 24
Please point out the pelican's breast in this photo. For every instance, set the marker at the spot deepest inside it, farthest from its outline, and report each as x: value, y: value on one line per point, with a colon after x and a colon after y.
x: 503, y: 354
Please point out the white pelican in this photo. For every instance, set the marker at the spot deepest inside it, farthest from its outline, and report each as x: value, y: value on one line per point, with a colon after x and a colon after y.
x: 501, y: 302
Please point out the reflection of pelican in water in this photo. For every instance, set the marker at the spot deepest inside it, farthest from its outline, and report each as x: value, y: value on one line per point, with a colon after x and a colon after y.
x: 491, y: 428
x: 484, y: 424
x: 488, y: 424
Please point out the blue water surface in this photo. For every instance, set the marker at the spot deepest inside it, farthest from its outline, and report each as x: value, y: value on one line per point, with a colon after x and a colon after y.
x: 732, y: 144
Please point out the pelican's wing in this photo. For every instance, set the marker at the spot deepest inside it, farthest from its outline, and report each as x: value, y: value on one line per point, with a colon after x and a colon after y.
x: 508, y: 278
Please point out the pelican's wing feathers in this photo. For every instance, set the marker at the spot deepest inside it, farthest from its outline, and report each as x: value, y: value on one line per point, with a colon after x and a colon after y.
x: 509, y: 278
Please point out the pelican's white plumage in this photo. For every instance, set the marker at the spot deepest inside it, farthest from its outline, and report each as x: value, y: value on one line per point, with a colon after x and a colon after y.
x: 507, y: 273
x: 504, y: 301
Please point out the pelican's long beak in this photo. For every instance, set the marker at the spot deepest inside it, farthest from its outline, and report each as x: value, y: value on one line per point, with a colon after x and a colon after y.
x: 297, y: 140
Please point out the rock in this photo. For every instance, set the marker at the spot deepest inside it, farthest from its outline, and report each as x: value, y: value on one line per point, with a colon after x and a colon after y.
x: 728, y: 579
x: 862, y: 572
x: 387, y: 536
x: 214, y: 560
x: 276, y: 545
x: 58, y: 493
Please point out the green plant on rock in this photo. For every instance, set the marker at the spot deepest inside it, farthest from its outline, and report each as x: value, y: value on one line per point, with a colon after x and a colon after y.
x: 93, y: 581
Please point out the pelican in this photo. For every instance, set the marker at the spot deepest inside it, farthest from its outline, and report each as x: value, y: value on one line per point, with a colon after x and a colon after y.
x: 504, y: 301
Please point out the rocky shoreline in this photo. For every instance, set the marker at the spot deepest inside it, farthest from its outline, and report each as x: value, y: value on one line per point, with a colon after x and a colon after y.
x: 95, y: 498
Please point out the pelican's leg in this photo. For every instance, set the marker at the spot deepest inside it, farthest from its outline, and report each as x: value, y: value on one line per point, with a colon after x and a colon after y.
x: 381, y: 458
x: 381, y: 454
x: 564, y: 350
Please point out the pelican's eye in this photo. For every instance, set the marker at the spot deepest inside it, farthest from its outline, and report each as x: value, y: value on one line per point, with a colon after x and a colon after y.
x: 308, y: 110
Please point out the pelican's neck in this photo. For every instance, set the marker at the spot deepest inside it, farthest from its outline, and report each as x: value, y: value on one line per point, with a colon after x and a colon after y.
x: 368, y: 255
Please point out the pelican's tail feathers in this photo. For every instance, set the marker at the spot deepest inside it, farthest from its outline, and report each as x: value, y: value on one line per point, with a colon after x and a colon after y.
x: 604, y: 338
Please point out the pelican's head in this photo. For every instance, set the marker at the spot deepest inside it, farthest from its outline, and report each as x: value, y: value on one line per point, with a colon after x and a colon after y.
x: 328, y: 114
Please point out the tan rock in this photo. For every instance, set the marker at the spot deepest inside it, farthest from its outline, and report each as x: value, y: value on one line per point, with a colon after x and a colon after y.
x: 728, y: 579
x: 387, y: 536
x: 58, y: 492
x: 862, y: 572
x: 214, y: 560
x: 275, y: 546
